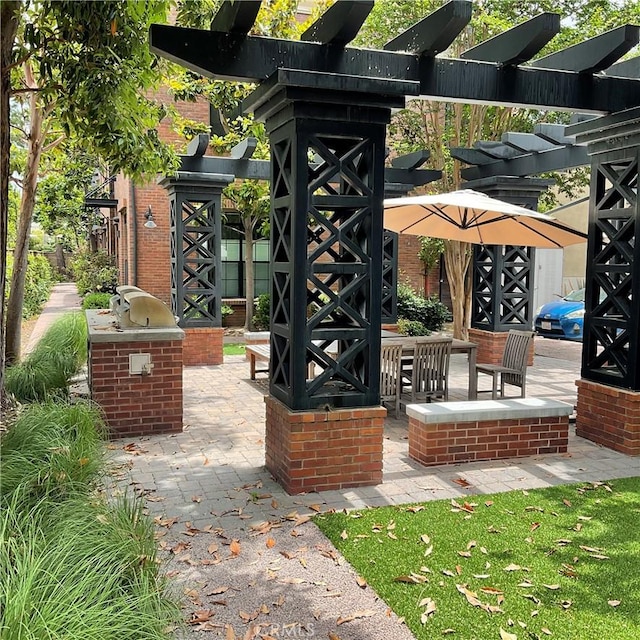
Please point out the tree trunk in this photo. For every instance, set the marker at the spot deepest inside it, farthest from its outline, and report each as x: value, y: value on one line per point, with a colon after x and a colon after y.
x: 248, y: 271
x: 21, y: 253
x: 8, y: 27
x: 457, y: 260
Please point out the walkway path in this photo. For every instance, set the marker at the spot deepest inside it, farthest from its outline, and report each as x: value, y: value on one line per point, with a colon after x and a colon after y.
x: 64, y: 297
x: 243, y: 551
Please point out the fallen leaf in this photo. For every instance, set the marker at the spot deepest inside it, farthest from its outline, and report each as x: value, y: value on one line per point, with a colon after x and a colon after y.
x: 471, y: 544
x: 505, y: 635
x: 464, y: 554
x: 598, y: 556
x: 274, y: 504
x: 270, y: 543
x: 315, y: 507
x: 425, y: 538
x: 458, y: 569
x: 462, y: 482
x: 212, y: 548
x: 415, y: 508
x: 526, y: 584
x: 392, y: 535
x: 428, y: 551
x: 513, y: 567
x: 446, y: 632
x: 333, y: 636
x: 361, y: 582
x: 217, y: 591
x: 488, y: 503
x: 234, y: 547
x: 481, y: 576
x: 429, y: 611
x: 566, y: 503
x: 613, y: 603
x: 449, y: 573
x: 230, y: 634
x: 366, y: 613
x: 534, y: 526
x: 344, y: 535
x: 197, y: 617
x: 546, y: 631
x: 553, y: 587
x: 565, y: 604
x: 491, y: 590
x: 196, y: 498
x: 586, y: 518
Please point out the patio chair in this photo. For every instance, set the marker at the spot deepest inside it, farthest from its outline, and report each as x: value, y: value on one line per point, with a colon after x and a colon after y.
x: 513, y: 369
x: 390, y: 380
x: 429, y: 374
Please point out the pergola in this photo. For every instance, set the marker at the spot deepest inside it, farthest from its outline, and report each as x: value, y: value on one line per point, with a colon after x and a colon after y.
x: 326, y: 106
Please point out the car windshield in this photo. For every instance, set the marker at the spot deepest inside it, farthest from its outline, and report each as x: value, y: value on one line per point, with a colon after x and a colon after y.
x: 575, y: 296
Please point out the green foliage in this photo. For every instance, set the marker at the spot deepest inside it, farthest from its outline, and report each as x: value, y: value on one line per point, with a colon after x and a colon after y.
x: 94, y: 272
x: 96, y: 301
x: 550, y: 558
x: 39, y: 280
x: 430, y: 251
x: 226, y: 310
x: 412, y: 328
x: 262, y: 315
x: 429, y: 312
x: 47, y: 371
x: 52, y: 451
x: 72, y: 564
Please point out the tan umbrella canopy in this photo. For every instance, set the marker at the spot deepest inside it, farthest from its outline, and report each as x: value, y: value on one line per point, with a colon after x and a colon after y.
x: 470, y: 216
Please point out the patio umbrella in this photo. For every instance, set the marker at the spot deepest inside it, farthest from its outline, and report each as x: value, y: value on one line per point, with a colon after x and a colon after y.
x: 470, y: 216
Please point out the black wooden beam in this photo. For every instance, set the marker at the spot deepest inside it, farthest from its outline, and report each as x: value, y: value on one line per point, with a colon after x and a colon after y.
x: 436, y: 32
x: 526, y: 142
x: 198, y: 146
x: 518, y: 44
x: 595, y: 54
x: 244, y: 149
x: 261, y: 170
x: 488, y: 83
x: 497, y: 150
x: 411, y: 160
x: 554, y: 133
x: 530, y: 164
x: 470, y: 156
x: 340, y: 24
x: 625, y: 69
x: 249, y: 59
x: 236, y: 17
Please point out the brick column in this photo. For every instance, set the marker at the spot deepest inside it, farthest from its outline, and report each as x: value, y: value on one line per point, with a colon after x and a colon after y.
x: 491, y: 346
x: 136, y: 404
x: 202, y: 346
x: 324, y: 450
x: 609, y: 416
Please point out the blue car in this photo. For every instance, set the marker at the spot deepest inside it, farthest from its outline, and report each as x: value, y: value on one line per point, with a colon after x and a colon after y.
x: 563, y: 318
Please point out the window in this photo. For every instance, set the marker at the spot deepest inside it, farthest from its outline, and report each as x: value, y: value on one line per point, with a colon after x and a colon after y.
x: 233, y: 272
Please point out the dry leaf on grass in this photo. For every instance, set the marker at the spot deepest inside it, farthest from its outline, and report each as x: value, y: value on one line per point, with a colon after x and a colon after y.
x: 613, y: 603
x: 429, y: 611
x: 505, y: 635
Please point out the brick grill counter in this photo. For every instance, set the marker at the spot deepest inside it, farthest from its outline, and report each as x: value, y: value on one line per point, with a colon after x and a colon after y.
x: 135, y: 404
x: 447, y: 432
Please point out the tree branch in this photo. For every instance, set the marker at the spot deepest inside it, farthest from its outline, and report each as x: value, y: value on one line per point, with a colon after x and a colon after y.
x: 53, y: 144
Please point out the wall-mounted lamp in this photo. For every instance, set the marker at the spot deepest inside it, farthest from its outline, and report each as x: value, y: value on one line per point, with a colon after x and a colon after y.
x: 150, y: 223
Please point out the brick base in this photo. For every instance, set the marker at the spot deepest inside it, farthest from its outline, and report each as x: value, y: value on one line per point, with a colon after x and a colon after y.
x: 444, y: 443
x: 202, y: 346
x: 323, y: 450
x: 136, y: 405
x: 609, y: 416
x: 491, y: 346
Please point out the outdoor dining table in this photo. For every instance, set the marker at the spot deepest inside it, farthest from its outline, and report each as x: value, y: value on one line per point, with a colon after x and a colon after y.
x: 457, y: 346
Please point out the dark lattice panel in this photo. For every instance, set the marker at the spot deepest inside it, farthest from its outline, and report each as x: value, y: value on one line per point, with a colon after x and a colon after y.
x: 195, y: 263
x: 389, y: 277
x: 502, y: 287
x: 611, y: 345
x: 325, y: 291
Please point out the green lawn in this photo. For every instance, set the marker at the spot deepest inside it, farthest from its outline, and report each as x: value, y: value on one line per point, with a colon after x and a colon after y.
x: 562, y: 562
x: 233, y: 349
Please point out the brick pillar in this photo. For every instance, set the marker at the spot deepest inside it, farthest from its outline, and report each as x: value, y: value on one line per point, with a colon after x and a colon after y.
x: 324, y: 450
x: 609, y: 416
x: 135, y: 404
x: 202, y: 346
x: 491, y: 346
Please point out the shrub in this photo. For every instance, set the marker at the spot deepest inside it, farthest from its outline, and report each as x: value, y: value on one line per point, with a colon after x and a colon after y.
x: 39, y: 279
x: 412, y: 328
x: 429, y: 311
x: 47, y: 371
x: 96, y: 301
x: 52, y: 451
x: 262, y: 312
x: 94, y: 272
